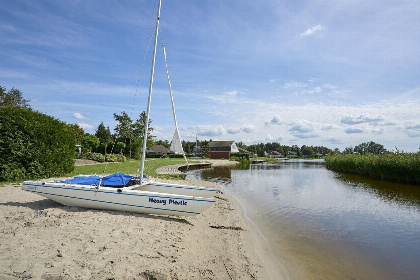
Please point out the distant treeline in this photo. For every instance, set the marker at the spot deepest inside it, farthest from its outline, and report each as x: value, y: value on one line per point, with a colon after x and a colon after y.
x: 262, y: 149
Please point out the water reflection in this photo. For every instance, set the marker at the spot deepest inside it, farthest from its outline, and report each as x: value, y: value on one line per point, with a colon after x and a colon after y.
x: 380, y: 220
x: 393, y: 192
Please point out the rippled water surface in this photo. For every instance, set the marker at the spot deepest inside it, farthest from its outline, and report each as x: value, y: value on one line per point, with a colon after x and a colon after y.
x: 378, y: 221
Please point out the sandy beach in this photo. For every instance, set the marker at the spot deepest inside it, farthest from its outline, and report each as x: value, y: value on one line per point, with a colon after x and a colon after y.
x: 43, y: 239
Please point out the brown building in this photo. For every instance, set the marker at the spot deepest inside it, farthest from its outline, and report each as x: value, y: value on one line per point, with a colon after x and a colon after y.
x: 222, y: 149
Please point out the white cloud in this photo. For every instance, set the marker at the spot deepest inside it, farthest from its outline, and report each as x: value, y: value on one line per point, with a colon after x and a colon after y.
x: 305, y: 135
x: 235, y: 130
x: 232, y: 93
x: 244, y: 128
x: 311, y: 91
x: 311, y: 31
x: 413, y: 129
x: 269, y: 138
x: 276, y: 120
x: 361, y: 118
x: 85, y: 126
x: 299, y: 128
x: 377, y: 131
x: 303, y: 129
x: 7, y: 27
x: 294, y: 85
x: 225, y: 97
x: 210, y: 130
x: 79, y: 116
x: 353, y: 130
x: 248, y: 128
x: 335, y: 141
x: 315, y: 86
x: 327, y: 127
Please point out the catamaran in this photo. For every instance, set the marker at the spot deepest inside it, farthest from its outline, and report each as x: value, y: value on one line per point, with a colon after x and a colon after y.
x: 131, y: 193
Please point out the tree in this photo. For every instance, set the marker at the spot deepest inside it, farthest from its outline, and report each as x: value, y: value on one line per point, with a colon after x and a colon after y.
x: 90, y: 142
x: 370, y: 148
x: 12, y: 98
x: 348, y: 151
x: 78, y: 131
x: 104, y: 135
x: 138, y: 132
x: 307, y: 151
x: 164, y: 143
x: 138, y: 128
x: 124, y: 129
x: 296, y: 149
x: 119, y: 147
x: 205, y: 149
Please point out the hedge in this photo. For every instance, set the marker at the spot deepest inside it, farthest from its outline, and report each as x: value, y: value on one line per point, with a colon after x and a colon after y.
x: 34, y: 145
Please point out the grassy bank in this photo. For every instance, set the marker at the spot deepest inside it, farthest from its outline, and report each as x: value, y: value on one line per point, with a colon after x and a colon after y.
x: 400, y: 167
x: 129, y: 167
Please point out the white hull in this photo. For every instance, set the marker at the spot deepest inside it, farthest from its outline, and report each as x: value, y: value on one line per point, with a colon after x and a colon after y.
x: 160, y: 187
x: 120, y: 199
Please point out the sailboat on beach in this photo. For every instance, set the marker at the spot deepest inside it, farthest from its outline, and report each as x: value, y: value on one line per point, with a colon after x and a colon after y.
x: 129, y: 193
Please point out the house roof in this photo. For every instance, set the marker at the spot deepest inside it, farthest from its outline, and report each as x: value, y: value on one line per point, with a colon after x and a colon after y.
x: 214, y: 144
x: 160, y: 149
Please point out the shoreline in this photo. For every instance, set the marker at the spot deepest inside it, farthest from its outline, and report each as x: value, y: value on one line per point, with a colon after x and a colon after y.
x: 43, y: 239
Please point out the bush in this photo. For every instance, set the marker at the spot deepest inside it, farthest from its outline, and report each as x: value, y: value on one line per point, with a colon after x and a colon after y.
x: 175, y: 156
x: 155, y: 155
x: 194, y: 155
x: 34, y: 145
x: 239, y: 156
x: 94, y: 156
x: 115, y: 158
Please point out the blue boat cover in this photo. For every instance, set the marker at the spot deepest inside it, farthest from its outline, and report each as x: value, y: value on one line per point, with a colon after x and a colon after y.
x: 113, y: 180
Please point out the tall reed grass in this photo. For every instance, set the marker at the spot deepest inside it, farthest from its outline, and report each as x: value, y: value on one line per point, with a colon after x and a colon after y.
x: 398, y: 167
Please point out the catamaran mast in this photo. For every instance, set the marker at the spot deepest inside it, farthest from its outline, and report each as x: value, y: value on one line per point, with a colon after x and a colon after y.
x: 146, y: 125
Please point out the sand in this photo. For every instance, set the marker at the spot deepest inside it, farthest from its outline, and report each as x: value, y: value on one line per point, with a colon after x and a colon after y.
x: 42, y: 239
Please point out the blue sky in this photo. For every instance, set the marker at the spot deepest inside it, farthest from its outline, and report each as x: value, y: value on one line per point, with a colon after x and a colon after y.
x: 331, y: 73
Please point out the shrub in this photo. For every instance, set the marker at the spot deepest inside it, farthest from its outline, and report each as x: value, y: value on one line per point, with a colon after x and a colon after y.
x: 34, y: 145
x: 94, y: 156
x: 194, y: 155
x: 175, y: 156
x: 239, y: 156
x: 115, y: 158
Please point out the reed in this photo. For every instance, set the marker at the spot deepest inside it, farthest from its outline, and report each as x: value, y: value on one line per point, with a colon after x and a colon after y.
x: 398, y: 167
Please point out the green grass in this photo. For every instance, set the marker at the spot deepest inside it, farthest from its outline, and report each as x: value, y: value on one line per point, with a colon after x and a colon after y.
x: 130, y: 167
x: 266, y: 159
x: 399, y: 167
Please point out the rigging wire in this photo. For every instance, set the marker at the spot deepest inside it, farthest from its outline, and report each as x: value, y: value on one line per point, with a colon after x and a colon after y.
x: 172, y: 100
x: 148, y: 44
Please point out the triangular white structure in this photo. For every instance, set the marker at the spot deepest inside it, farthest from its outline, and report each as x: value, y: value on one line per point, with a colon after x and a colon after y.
x: 176, y: 146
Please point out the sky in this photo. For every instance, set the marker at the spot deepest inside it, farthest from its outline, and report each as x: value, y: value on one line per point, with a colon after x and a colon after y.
x: 322, y: 73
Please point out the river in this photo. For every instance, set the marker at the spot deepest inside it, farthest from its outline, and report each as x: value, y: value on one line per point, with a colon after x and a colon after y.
x: 326, y: 225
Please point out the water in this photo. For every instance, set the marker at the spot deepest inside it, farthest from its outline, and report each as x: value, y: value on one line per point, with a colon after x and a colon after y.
x: 365, y: 229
